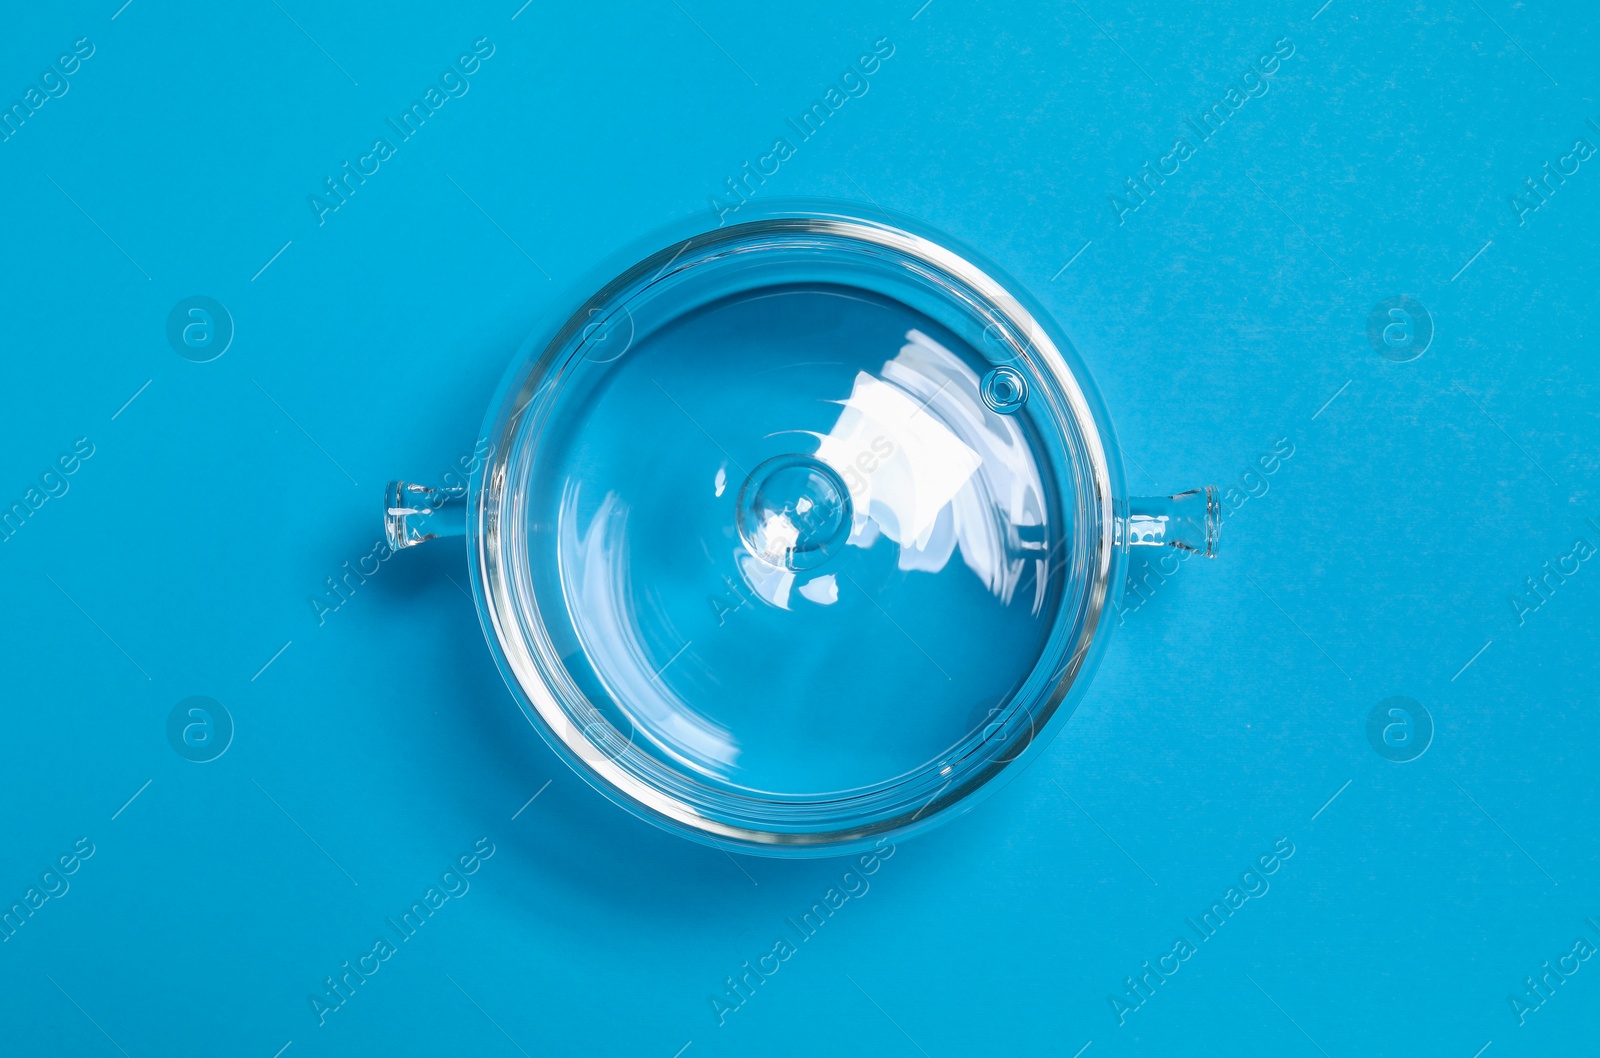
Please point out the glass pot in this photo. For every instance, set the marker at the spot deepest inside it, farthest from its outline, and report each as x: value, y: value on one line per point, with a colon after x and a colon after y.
x: 800, y: 533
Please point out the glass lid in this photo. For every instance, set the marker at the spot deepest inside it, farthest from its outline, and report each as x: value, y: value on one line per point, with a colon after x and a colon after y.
x: 795, y: 529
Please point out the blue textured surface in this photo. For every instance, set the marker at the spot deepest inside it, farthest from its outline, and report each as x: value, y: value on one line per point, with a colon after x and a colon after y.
x: 375, y: 746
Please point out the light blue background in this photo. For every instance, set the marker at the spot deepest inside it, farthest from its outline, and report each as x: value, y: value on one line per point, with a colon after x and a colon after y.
x: 1222, y: 316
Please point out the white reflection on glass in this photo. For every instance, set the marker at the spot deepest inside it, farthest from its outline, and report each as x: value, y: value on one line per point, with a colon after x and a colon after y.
x: 823, y: 590
x: 929, y: 466
x: 765, y: 579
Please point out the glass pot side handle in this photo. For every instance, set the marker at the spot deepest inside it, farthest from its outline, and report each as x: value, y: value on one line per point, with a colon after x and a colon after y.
x: 415, y: 514
x: 1190, y: 520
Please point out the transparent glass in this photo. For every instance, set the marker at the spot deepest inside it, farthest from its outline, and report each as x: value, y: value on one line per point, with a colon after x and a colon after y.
x: 798, y: 534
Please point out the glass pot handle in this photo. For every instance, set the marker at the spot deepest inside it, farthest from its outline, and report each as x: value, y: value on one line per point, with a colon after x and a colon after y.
x: 1190, y: 520
x: 415, y: 514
